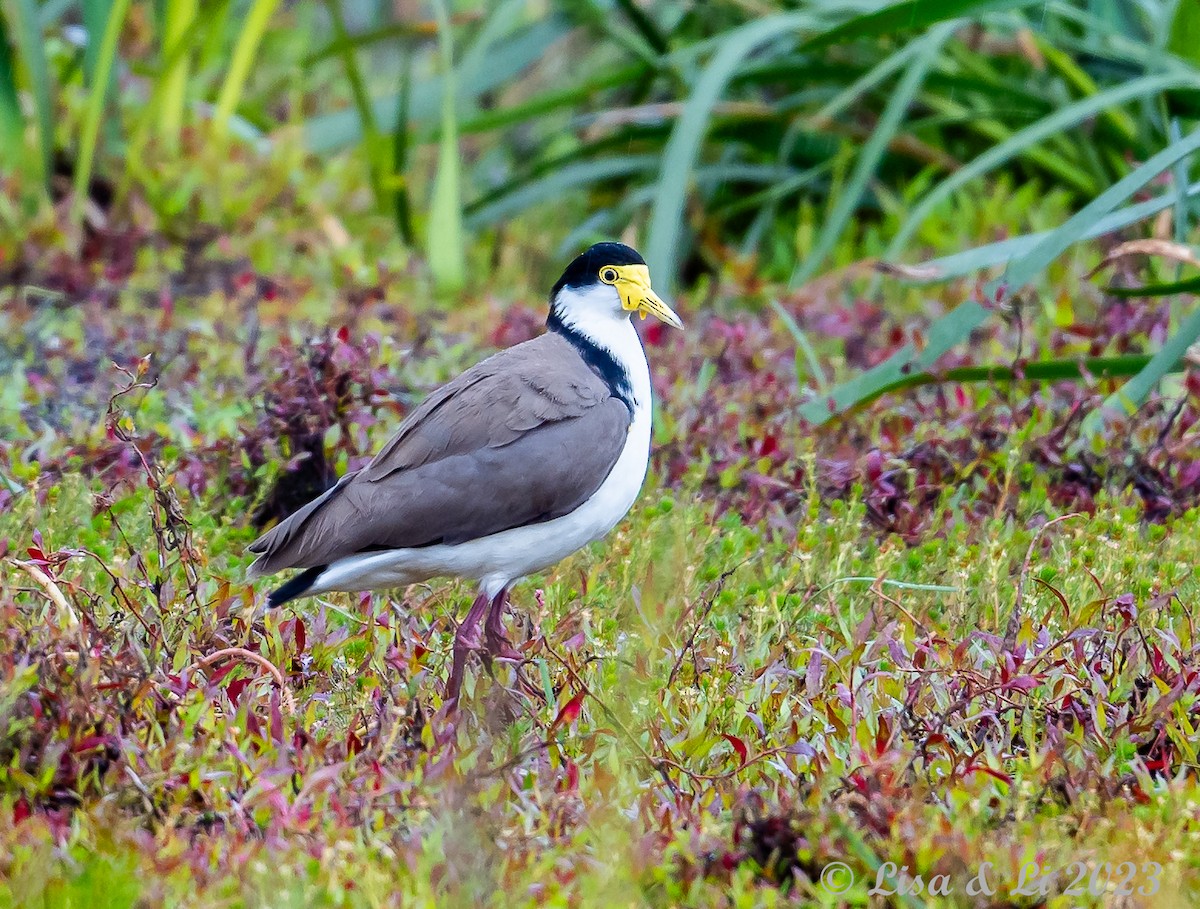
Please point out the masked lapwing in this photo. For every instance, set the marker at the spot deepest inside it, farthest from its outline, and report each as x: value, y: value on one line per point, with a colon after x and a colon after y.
x: 514, y: 465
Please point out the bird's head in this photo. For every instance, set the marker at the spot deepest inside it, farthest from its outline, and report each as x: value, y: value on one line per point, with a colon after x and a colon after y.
x: 608, y: 280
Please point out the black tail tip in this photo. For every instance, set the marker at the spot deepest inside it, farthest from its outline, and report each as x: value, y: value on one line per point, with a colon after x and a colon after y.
x: 295, y: 587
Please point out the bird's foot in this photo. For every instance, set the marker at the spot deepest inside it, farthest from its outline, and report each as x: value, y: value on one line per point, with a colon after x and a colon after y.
x: 467, y: 640
x: 498, y: 644
x: 500, y: 647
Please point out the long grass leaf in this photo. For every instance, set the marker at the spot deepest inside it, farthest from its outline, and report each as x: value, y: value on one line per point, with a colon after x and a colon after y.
x: 244, y: 51
x: 359, y: 40
x: 401, y: 200
x: 873, y: 151
x: 645, y: 26
x: 1183, y: 37
x: 1022, y: 140
x: 970, y: 261
x: 555, y: 184
x: 562, y: 99
x: 1186, y: 286
x: 804, y: 346
x: 683, y: 148
x: 95, y: 19
x: 94, y: 111
x: 872, y: 78
x: 957, y: 324
x: 372, y: 138
x: 909, y: 15
x: 504, y: 19
x: 1073, y: 230
x: 12, y: 123
x: 178, y: 21
x: 1179, y: 183
x: 32, y: 53
x: 1042, y: 371
x: 447, y: 256
x: 332, y: 132
x: 1128, y: 397
x: 631, y: 43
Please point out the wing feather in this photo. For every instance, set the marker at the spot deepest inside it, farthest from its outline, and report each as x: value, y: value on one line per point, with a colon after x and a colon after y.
x: 527, y: 435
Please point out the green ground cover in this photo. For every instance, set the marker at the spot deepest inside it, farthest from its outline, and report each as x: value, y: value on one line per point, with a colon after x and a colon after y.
x: 947, y: 629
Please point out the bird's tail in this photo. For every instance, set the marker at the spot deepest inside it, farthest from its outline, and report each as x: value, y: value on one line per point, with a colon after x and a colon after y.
x: 296, y: 586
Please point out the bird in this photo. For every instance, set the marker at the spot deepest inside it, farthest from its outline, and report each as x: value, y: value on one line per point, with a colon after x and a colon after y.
x: 524, y: 458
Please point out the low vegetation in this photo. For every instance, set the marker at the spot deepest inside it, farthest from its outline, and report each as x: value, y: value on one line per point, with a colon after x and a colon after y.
x: 909, y: 592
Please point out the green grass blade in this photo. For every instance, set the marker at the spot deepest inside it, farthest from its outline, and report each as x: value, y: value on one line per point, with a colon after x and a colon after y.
x: 389, y: 32
x: 865, y: 83
x: 332, y: 132
x: 806, y: 349
x: 96, y: 14
x: 562, y: 99
x: 244, y: 50
x: 94, y: 111
x: 1179, y: 183
x: 873, y: 151
x: 372, y: 137
x: 12, y: 123
x: 1186, y: 286
x: 27, y: 33
x: 503, y: 20
x: 1129, y: 396
x: 401, y: 201
x: 1022, y: 140
x: 644, y: 25
x: 957, y: 324
x: 445, y: 249
x: 630, y: 43
x: 179, y: 18
x: 1183, y: 39
x: 970, y: 261
x: 909, y: 15
x: 519, y: 196
x: 683, y: 148
x: 1076, y: 227
x: 1042, y: 371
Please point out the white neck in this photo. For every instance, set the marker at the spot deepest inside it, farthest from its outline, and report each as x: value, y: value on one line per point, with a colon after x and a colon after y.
x: 596, y: 321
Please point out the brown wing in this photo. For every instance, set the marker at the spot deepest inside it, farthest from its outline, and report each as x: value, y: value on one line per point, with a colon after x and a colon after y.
x: 525, y: 436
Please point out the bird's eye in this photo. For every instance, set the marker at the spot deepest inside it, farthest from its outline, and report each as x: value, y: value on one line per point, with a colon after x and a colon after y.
x: 608, y: 275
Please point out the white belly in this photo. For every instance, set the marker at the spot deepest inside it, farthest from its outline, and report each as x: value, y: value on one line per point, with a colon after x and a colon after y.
x: 496, y: 561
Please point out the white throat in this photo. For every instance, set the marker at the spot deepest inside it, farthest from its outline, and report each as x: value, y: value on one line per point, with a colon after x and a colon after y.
x: 592, y: 314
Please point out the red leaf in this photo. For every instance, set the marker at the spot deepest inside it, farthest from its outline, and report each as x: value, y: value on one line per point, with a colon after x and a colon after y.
x: 253, y: 726
x: 234, y: 689
x: 1022, y: 683
x: 569, y: 712
x: 739, y: 746
x: 343, y: 334
x: 301, y: 637
x: 982, y: 768
x: 353, y: 743
x: 276, y: 716
x: 571, y: 782
x: 219, y: 676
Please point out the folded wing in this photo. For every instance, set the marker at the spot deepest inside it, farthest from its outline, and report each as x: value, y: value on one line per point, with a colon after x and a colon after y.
x: 525, y: 436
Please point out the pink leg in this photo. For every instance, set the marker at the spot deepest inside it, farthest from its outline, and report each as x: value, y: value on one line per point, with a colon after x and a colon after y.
x: 498, y: 644
x: 466, y: 639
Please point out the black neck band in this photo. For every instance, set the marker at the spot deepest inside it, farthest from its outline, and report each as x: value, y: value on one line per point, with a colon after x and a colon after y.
x: 599, y: 359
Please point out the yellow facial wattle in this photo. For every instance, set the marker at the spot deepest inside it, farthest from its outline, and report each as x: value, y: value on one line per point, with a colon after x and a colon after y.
x: 633, y: 285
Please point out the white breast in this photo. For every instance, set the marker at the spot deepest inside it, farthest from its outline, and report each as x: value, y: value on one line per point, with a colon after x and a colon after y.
x: 497, y: 560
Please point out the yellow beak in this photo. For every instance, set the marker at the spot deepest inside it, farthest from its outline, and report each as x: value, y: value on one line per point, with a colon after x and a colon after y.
x: 633, y: 284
